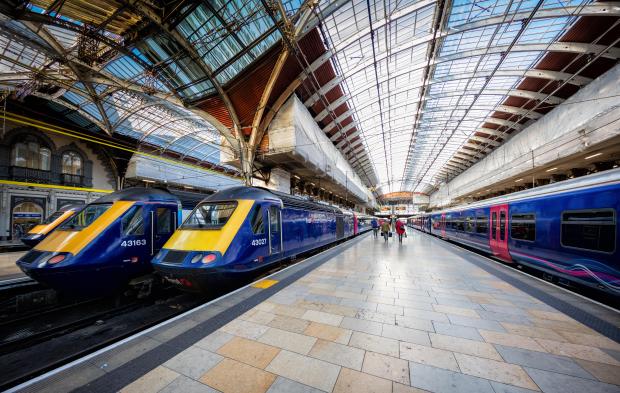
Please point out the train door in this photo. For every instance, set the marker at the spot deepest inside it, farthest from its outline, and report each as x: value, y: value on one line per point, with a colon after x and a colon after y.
x: 275, y: 230
x: 498, y: 235
x: 443, y: 224
x: 163, y: 223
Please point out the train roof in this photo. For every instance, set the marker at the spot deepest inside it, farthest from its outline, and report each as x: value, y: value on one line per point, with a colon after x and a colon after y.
x: 605, y: 178
x: 259, y: 193
x: 139, y: 194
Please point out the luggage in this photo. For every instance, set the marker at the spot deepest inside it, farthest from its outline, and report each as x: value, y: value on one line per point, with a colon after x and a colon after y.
x: 389, y: 234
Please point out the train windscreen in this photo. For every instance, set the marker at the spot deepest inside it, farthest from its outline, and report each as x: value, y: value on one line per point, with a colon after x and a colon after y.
x: 85, y: 217
x: 210, y: 215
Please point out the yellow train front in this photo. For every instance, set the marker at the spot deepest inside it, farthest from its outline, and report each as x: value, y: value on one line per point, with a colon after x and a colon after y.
x: 106, y: 244
x: 41, y: 231
x: 237, y: 232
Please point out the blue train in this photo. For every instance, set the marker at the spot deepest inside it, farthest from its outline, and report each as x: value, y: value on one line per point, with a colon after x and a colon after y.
x: 242, y: 230
x: 40, y: 232
x: 105, y: 244
x: 568, y: 230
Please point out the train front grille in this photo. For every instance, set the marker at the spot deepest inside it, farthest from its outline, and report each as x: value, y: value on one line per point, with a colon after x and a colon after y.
x: 175, y: 256
x: 32, y: 256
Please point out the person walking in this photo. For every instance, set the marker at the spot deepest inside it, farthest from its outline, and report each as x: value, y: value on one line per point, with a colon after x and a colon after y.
x: 385, y: 229
x: 400, y: 230
x: 375, y: 227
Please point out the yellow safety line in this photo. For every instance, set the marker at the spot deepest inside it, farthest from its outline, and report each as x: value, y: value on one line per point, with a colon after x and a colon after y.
x: 35, y: 123
x: 41, y: 185
x: 264, y: 284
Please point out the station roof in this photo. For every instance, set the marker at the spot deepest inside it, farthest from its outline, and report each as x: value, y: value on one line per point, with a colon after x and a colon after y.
x: 412, y: 92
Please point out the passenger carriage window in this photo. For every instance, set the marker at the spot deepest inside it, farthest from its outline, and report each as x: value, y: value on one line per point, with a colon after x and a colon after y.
x: 164, y: 220
x: 494, y: 226
x: 482, y: 224
x: 502, y: 225
x: 460, y: 225
x: 523, y: 227
x: 258, y: 225
x: 589, y: 229
x: 132, y: 223
x: 469, y: 224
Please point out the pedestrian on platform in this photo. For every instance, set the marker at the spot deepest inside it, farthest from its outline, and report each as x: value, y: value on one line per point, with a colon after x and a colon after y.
x: 385, y: 229
x: 400, y: 230
x: 375, y: 227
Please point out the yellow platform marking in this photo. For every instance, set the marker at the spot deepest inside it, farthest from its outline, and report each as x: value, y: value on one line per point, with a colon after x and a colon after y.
x: 264, y: 284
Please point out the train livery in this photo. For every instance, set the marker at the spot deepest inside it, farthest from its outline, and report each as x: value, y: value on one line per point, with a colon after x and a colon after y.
x: 40, y: 232
x: 568, y: 230
x: 107, y: 243
x: 242, y: 230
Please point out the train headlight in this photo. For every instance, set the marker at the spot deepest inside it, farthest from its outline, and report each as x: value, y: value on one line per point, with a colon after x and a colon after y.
x: 196, y: 258
x: 209, y: 258
x: 56, y: 259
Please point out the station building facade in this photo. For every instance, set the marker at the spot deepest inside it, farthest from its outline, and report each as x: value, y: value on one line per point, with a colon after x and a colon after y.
x: 41, y: 171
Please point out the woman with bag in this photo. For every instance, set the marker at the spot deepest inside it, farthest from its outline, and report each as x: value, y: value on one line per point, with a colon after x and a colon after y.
x: 400, y: 229
x: 385, y: 229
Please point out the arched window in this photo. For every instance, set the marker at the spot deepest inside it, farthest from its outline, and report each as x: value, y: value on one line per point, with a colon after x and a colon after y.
x: 71, y: 163
x: 32, y: 155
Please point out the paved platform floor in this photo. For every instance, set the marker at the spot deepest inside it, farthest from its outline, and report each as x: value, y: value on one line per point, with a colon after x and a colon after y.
x: 8, y: 268
x: 375, y: 318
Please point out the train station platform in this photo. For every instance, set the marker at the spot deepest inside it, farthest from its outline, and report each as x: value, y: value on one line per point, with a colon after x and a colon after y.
x: 370, y: 316
x: 8, y: 268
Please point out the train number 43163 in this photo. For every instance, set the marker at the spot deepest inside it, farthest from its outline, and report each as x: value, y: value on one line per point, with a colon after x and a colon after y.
x: 131, y: 243
x: 259, y: 242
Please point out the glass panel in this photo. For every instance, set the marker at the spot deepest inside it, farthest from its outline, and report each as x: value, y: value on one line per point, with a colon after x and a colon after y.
x: 494, y: 226
x: 19, y: 155
x: 86, y: 217
x: 132, y: 223
x: 274, y: 219
x: 164, y: 220
x: 44, y: 158
x: 523, y: 227
x: 590, y: 230
x: 482, y: 224
x: 53, y: 217
x: 469, y: 224
x: 502, y: 226
x: 210, y: 215
x: 258, y: 225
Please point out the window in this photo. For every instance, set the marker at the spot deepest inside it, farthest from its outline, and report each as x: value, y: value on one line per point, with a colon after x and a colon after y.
x: 210, y: 215
x: 132, y: 223
x: 523, y: 227
x: 164, y: 220
x: 258, y: 226
x: 460, y: 226
x: 482, y: 224
x: 502, y: 226
x: 71, y: 163
x: 53, y: 217
x: 85, y: 217
x: 590, y: 230
x: 494, y: 226
x: 274, y: 219
x: 31, y: 155
x: 469, y: 224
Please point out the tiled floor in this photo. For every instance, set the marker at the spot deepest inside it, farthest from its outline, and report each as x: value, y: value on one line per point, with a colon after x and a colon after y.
x: 8, y: 268
x: 395, y: 318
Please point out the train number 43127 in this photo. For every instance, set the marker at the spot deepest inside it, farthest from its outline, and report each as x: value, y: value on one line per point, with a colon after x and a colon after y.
x: 131, y: 243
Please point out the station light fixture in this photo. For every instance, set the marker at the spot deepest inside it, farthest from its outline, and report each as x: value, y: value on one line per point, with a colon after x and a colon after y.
x: 148, y: 181
x: 518, y: 180
x: 552, y: 169
x: 594, y: 155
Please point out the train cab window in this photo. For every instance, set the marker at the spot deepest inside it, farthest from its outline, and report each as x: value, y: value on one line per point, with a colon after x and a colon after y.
x: 210, y: 215
x: 256, y: 220
x: 482, y: 224
x: 274, y: 219
x: 502, y: 225
x: 132, y: 223
x: 469, y: 224
x: 494, y: 226
x: 86, y: 217
x: 523, y: 227
x: 53, y: 217
x: 164, y: 220
x: 589, y: 229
